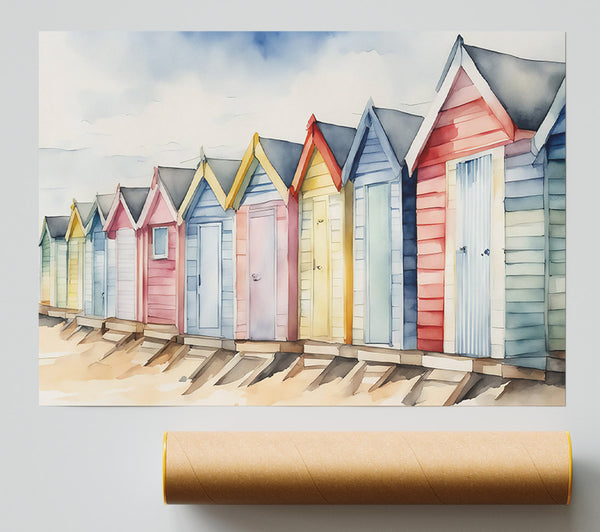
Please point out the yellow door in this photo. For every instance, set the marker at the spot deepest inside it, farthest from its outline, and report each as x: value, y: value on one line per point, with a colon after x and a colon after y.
x: 320, y: 316
x: 73, y: 273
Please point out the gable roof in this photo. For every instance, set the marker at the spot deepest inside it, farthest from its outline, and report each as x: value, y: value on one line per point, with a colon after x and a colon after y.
x: 332, y: 141
x: 395, y: 130
x: 104, y: 202
x: 224, y: 170
x: 56, y: 226
x: 279, y: 159
x: 528, y: 100
x: 520, y: 92
x: 177, y: 181
x: 338, y: 138
x: 283, y: 155
x: 134, y: 198
x: 219, y: 174
x: 86, y: 211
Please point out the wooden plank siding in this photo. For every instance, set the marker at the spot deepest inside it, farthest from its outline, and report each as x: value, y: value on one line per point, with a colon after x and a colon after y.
x: 46, y: 270
x: 374, y: 167
x: 555, y: 172
x: 60, y: 259
x: 207, y: 209
x: 525, y: 256
x: 318, y: 186
x: 465, y: 126
x: 261, y: 194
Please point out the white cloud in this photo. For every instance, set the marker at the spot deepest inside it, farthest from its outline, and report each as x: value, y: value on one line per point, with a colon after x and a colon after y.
x: 136, y: 100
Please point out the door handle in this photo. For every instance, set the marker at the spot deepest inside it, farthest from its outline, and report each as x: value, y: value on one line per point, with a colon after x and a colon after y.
x: 320, y: 221
x: 486, y: 252
x: 199, y: 279
x: 319, y: 267
x: 256, y: 276
x: 462, y: 249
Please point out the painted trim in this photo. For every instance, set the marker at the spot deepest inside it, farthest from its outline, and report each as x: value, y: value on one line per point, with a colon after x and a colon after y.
x: 118, y: 199
x: 543, y: 132
x: 73, y: 219
x: 461, y: 59
x: 165, y: 255
x: 315, y: 139
x: 370, y: 120
x: 254, y: 154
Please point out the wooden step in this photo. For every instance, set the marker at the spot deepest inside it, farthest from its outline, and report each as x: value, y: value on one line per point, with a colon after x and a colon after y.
x: 97, y: 322
x: 338, y: 368
x: 206, y: 342
x: 247, y: 346
x: 209, y: 368
x: 281, y: 363
x: 128, y: 326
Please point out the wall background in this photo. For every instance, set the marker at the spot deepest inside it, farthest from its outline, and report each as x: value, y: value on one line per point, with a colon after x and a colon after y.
x: 93, y: 469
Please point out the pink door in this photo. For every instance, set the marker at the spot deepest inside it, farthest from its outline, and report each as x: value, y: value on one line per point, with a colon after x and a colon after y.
x: 261, y: 271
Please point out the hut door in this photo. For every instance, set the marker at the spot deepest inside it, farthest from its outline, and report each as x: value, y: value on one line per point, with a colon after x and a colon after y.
x: 209, y: 276
x: 379, y: 240
x: 99, y: 273
x: 261, y: 270
x: 320, y: 315
x: 126, y: 273
x: 473, y: 210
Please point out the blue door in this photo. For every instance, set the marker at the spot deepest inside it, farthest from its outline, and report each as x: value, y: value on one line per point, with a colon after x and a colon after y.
x: 473, y: 216
x: 379, y: 264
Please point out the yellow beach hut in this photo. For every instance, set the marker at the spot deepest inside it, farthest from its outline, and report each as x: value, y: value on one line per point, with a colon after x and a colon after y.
x: 75, y: 237
x: 325, y: 262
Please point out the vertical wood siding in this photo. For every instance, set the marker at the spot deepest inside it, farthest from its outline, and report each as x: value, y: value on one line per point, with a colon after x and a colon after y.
x: 318, y: 186
x: 373, y: 167
x: 126, y: 273
x: 555, y: 172
x: 206, y: 209
x: 465, y: 126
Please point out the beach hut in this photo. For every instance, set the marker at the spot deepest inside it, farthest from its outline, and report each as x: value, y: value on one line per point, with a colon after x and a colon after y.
x: 161, y: 241
x: 75, y: 237
x: 482, y: 205
x: 53, y: 258
x: 209, y: 253
x: 100, y: 282
x: 385, y: 229
x: 121, y: 225
x: 325, y: 267
x: 266, y: 241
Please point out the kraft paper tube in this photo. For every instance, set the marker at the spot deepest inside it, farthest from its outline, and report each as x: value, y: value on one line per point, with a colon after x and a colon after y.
x: 367, y: 467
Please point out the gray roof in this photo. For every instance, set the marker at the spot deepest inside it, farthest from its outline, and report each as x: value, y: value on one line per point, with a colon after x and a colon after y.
x: 57, y: 225
x: 526, y: 88
x: 339, y: 139
x: 104, y: 203
x: 284, y: 157
x: 400, y: 129
x: 86, y: 210
x: 177, y: 181
x: 225, y: 171
x: 135, y: 197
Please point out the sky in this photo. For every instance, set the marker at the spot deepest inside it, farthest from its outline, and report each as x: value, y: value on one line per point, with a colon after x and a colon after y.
x: 112, y: 105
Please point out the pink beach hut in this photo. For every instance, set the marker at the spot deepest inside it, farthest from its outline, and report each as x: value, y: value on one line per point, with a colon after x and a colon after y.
x: 162, y: 248
x: 266, y: 241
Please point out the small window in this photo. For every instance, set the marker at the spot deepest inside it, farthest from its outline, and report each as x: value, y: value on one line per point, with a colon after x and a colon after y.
x: 160, y: 242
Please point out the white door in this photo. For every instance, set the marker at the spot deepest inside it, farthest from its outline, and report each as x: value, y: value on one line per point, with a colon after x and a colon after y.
x: 209, y: 277
x: 126, y: 273
x: 473, y: 213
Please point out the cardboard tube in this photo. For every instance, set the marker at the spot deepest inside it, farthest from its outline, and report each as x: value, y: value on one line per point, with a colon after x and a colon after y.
x: 367, y: 468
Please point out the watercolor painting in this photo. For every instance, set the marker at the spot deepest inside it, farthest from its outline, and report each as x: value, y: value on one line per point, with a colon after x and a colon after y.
x: 302, y: 218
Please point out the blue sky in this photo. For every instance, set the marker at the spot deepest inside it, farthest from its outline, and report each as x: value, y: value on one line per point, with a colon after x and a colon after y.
x: 115, y: 104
